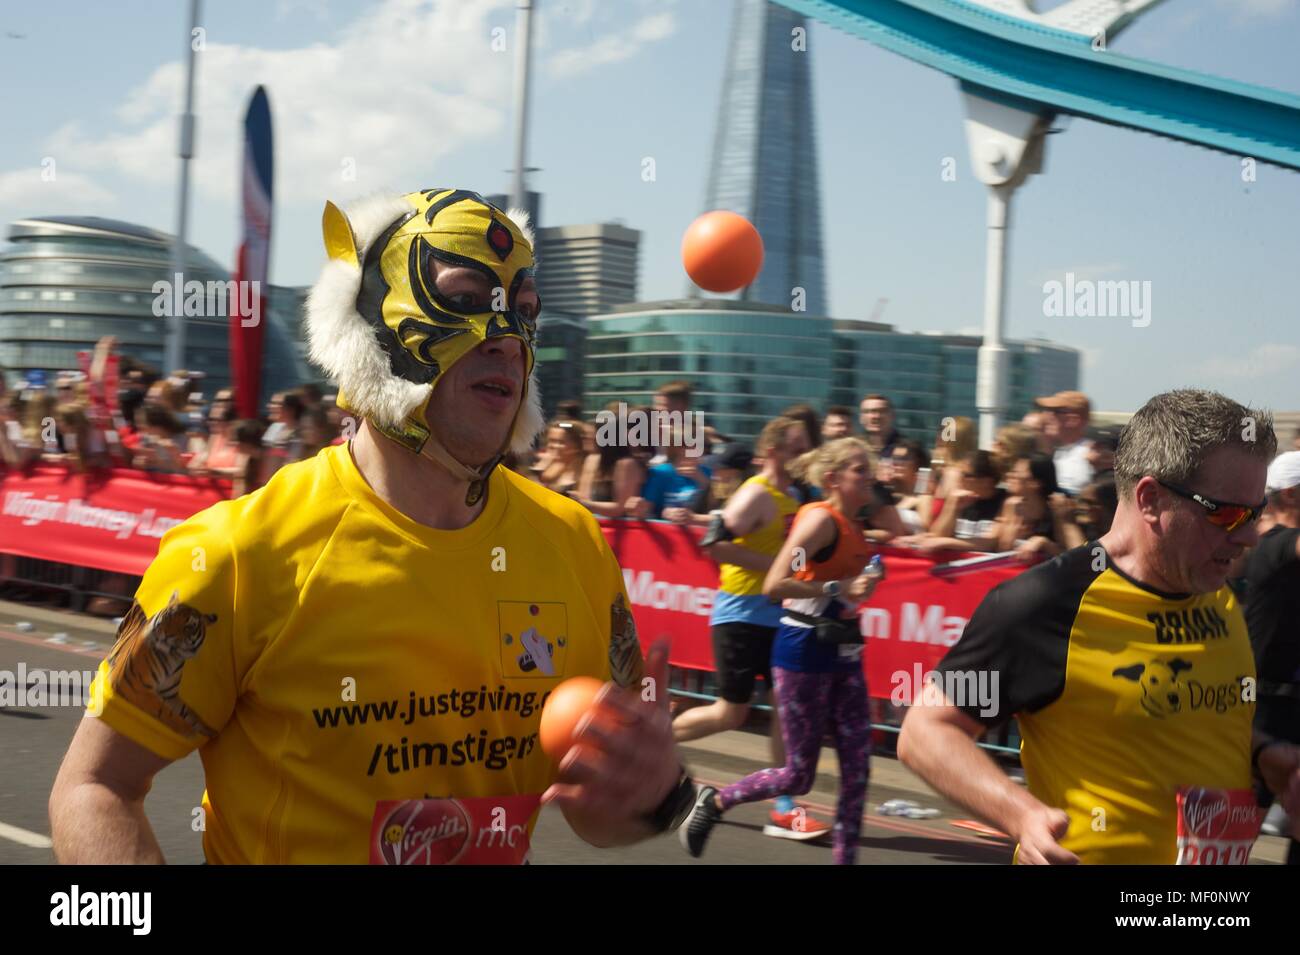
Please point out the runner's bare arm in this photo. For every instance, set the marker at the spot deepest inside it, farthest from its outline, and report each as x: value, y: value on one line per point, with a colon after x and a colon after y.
x: 937, y: 742
x: 97, y: 804
x: 749, y: 509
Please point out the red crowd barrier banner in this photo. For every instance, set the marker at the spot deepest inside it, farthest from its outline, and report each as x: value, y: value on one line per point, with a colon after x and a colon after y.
x: 110, y: 520
x: 912, y: 619
x: 114, y: 520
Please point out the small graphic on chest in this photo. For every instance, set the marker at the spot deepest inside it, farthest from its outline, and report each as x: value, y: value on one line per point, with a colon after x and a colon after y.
x: 1170, y: 687
x: 1163, y: 693
x: 533, y: 638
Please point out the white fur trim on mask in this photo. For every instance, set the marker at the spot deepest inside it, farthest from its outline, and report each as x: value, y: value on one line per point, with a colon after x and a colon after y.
x: 372, y: 215
x: 529, y: 421
x: 343, y: 344
x: 523, y: 222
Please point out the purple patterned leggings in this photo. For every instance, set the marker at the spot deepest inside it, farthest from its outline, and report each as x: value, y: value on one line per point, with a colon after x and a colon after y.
x: 810, y: 704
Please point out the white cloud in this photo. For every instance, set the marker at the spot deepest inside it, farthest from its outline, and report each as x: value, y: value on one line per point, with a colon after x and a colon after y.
x: 1264, y: 361
x: 613, y: 47
x: 32, y: 192
x: 408, y: 82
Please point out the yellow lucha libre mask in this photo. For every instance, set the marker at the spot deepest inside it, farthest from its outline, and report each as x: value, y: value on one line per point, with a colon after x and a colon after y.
x: 379, y: 326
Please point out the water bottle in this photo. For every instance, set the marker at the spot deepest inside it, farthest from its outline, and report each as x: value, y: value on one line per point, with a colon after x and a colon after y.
x: 875, y: 568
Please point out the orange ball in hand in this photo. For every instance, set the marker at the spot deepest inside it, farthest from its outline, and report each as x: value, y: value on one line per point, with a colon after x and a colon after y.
x: 568, y: 703
x: 722, y: 251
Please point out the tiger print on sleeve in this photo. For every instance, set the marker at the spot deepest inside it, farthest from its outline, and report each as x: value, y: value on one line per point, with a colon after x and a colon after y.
x: 625, y: 661
x: 147, y: 659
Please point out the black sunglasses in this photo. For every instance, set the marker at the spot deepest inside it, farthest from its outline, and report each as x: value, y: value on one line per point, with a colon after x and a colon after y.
x: 1220, y: 513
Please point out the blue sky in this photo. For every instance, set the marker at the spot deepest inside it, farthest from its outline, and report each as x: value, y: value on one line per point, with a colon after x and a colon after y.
x: 409, y: 93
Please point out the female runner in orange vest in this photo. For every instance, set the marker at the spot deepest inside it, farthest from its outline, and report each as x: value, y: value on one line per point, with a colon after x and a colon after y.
x: 817, y: 654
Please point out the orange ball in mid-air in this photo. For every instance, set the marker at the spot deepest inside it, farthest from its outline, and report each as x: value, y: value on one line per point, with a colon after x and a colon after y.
x: 722, y: 251
x: 568, y: 703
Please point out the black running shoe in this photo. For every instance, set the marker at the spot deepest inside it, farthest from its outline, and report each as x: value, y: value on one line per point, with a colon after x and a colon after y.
x: 704, y: 816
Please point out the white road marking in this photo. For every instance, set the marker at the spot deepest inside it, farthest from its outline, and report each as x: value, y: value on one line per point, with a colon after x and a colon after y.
x: 24, y: 838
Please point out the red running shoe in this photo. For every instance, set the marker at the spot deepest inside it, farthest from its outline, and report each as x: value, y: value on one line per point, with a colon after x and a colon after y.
x: 797, y: 825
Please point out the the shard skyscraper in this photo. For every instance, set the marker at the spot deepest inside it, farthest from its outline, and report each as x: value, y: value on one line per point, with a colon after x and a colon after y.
x: 764, y: 163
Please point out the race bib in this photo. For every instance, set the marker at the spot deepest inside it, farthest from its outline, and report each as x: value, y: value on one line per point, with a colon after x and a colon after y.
x: 491, y: 830
x: 1216, y: 826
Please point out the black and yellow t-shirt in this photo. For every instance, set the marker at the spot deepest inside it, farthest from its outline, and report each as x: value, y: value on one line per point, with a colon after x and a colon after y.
x: 361, y: 687
x: 1123, y: 695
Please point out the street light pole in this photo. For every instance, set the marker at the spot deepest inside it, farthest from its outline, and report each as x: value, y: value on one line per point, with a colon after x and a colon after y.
x: 524, y: 41
x: 174, y: 357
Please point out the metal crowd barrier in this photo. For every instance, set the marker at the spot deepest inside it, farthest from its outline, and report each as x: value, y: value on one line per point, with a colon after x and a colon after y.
x: 79, y: 584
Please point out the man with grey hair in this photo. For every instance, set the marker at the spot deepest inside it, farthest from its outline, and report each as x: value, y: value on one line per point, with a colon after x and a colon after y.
x: 1127, y: 664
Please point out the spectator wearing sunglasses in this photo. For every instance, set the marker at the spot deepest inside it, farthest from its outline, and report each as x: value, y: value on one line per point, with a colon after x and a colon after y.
x: 1105, y: 654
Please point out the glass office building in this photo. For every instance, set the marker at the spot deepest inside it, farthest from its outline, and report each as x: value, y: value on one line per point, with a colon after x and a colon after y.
x: 561, y: 346
x: 930, y: 376
x: 748, y: 362
x: 67, y: 281
x: 764, y: 162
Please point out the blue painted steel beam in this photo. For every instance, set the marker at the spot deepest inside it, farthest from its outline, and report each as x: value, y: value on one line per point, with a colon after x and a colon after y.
x: 1051, y: 70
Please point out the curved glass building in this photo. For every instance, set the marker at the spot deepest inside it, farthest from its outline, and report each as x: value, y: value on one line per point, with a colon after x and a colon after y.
x: 67, y: 281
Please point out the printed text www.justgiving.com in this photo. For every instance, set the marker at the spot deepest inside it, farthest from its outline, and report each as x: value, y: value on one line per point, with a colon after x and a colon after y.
x: 464, y: 703
x: 1202, y: 922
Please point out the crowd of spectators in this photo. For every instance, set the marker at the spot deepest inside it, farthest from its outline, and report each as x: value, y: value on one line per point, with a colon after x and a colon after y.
x: 161, y: 424
x: 1045, y: 485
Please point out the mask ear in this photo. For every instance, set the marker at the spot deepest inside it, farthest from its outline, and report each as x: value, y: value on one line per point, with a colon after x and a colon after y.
x: 340, y: 240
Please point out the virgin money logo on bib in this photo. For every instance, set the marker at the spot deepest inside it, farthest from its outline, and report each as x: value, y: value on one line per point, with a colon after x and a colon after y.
x: 1206, y: 812
x: 483, y: 830
x: 420, y: 832
x: 1216, y: 826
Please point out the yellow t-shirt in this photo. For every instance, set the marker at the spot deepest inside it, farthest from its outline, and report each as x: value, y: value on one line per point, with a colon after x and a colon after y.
x: 336, y: 663
x: 1123, y: 695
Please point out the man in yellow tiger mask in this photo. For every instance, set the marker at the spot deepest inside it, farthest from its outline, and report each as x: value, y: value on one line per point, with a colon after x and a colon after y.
x: 360, y: 650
